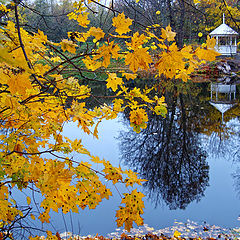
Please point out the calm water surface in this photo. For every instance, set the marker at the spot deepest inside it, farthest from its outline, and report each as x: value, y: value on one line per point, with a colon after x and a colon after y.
x: 190, y: 158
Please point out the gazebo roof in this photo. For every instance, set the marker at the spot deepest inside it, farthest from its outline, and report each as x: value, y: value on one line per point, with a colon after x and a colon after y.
x: 222, y: 107
x: 223, y: 30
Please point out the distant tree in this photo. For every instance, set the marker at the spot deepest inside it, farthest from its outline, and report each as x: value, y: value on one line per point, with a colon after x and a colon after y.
x: 50, y: 17
x: 214, y: 10
x: 183, y: 16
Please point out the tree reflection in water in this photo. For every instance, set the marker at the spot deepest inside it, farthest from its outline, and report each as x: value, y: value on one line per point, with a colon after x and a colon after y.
x: 168, y: 154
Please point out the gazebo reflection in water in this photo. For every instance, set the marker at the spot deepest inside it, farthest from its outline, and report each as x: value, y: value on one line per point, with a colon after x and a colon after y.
x: 223, y: 97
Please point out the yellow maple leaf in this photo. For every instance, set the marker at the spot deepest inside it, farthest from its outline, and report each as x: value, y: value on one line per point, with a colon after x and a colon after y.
x: 113, y: 81
x: 131, y: 211
x: 187, y: 52
x: 129, y: 76
x: 69, y: 46
x: 112, y: 173
x: 91, y: 64
x: 183, y: 76
x: 96, y: 32
x: 168, y: 34
x: 28, y: 200
x: 83, y: 19
x: 117, y: 107
x: 138, y: 119
x: 171, y: 62
x: 96, y: 159
x: 19, y: 84
x: 206, y: 54
x: 3, y: 8
x: 132, y: 178
x: 122, y: 24
x: 41, y: 69
x: 139, y: 58
x: 106, y: 52
x: 41, y: 36
x: 211, y: 42
x: 177, y: 234
x: 136, y: 41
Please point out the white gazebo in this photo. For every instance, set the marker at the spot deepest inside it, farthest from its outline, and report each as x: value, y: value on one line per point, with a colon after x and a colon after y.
x: 226, y: 39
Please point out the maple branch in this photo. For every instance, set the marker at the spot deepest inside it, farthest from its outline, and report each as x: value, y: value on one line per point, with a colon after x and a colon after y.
x: 64, y: 56
x: 5, y: 109
x: 90, y: 8
x: 31, y: 154
x: 11, y: 226
x: 104, y: 6
x: 9, y: 7
x: 100, y: 173
x: 22, y: 45
x: 226, y: 5
x: 67, y: 159
x: 67, y: 60
x: 73, y: 64
x: 36, y: 95
x: 137, y: 11
x: 20, y: 38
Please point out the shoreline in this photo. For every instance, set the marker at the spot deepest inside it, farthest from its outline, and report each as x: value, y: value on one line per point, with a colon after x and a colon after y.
x: 179, y: 230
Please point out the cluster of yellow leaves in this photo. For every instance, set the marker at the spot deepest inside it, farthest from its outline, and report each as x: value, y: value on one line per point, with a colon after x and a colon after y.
x: 107, y: 52
x: 80, y: 14
x: 7, y: 213
x: 139, y: 56
x: 37, y: 98
x: 138, y: 119
x: 180, y: 63
x: 131, y: 211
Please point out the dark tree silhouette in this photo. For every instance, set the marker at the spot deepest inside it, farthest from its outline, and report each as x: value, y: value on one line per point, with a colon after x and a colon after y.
x: 168, y: 154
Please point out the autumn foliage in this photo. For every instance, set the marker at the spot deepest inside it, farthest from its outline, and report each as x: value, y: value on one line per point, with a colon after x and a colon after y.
x: 37, y: 99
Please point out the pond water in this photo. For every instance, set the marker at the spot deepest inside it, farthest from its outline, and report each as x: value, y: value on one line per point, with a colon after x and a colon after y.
x: 191, y: 160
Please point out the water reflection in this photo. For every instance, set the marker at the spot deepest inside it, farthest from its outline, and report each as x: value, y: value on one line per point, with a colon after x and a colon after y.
x: 225, y: 137
x: 168, y: 154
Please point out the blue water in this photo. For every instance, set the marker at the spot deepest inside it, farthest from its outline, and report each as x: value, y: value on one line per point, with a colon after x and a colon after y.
x: 220, y: 204
x: 220, y: 200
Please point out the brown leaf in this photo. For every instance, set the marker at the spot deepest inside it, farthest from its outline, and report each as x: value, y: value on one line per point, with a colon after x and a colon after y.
x: 18, y: 149
x: 58, y: 236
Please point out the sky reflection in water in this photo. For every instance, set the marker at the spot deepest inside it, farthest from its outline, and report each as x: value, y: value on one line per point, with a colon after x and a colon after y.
x: 200, y: 158
x: 191, y: 159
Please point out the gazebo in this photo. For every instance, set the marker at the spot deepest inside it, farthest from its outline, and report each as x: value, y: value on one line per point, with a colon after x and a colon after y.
x: 226, y: 39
